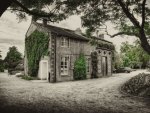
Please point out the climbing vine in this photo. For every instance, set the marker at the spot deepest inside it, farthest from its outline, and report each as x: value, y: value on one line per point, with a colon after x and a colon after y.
x: 94, y: 63
x: 102, y: 44
x: 80, y: 68
x: 36, y: 46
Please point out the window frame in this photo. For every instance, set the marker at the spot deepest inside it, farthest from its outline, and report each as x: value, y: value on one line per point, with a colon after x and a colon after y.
x: 64, y: 64
x: 65, y: 42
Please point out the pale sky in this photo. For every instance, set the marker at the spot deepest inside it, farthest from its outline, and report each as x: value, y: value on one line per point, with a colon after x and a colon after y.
x: 13, y: 33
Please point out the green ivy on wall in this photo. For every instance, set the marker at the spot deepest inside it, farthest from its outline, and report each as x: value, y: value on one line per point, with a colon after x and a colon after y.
x: 36, y: 46
x: 102, y: 44
x: 80, y: 68
x: 94, y: 62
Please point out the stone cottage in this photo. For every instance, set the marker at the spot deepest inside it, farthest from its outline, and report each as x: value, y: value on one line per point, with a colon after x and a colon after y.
x: 64, y: 47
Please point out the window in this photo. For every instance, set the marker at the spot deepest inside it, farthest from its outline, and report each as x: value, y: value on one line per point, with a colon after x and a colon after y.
x: 64, y: 65
x: 88, y: 65
x: 65, y: 42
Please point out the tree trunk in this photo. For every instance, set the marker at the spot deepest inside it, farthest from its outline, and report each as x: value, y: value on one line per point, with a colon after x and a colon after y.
x: 144, y: 43
x: 4, y: 4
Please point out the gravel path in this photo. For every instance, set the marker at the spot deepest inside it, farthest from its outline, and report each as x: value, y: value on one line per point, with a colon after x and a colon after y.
x: 88, y: 96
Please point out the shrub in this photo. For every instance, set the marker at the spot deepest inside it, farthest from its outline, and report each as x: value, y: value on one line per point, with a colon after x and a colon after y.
x: 138, y: 85
x: 27, y: 77
x: 80, y: 68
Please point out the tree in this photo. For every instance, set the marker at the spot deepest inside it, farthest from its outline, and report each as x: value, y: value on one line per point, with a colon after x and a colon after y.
x: 130, y: 17
x: 0, y: 54
x: 36, y: 8
x: 117, y: 60
x: 12, y: 58
x: 134, y: 55
x: 1, y: 63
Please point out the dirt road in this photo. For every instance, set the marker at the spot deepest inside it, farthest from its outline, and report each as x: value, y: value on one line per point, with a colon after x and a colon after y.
x: 88, y: 96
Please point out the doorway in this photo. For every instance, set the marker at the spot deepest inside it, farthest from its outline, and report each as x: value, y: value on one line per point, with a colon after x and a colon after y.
x: 43, y: 70
x: 104, y: 66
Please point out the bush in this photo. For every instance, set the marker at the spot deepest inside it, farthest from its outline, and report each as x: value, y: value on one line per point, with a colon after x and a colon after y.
x: 27, y: 77
x: 80, y: 68
x: 138, y: 85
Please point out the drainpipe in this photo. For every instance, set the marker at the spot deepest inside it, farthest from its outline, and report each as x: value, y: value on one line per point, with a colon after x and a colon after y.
x: 55, y: 60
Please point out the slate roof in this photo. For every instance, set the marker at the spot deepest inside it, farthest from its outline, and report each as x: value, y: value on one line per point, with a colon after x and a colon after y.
x: 68, y: 33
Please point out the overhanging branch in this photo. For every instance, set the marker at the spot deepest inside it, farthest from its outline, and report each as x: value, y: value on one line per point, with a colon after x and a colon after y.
x: 119, y: 33
x: 30, y: 12
x: 128, y: 14
x: 143, y: 13
x: 123, y: 33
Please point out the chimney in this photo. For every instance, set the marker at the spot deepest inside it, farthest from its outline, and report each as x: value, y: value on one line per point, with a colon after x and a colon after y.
x: 101, y: 36
x: 78, y: 31
x: 45, y: 22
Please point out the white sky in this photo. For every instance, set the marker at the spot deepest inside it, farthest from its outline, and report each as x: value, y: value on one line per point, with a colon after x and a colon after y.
x: 13, y: 33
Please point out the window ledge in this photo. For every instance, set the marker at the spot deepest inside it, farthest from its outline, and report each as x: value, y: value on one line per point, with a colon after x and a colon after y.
x: 63, y: 75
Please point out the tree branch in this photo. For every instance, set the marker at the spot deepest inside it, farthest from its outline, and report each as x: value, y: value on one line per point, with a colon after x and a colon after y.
x: 30, y: 12
x: 123, y: 33
x: 143, y: 13
x: 128, y: 14
x: 119, y: 33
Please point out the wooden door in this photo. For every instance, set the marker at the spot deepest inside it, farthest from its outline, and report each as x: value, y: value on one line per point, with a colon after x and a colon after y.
x: 104, y: 66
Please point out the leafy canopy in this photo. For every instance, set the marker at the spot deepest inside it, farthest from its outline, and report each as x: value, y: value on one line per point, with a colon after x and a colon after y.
x: 39, y: 9
x: 13, y: 57
x: 133, y: 55
x: 1, y: 63
x: 130, y: 17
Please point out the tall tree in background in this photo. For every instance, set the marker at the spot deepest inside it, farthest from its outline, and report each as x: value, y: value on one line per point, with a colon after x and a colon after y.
x: 12, y: 58
x: 1, y: 63
x: 134, y: 55
x: 117, y: 60
x: 0, y: 54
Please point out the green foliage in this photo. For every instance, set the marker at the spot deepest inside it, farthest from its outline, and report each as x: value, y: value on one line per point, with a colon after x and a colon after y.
x: 12, y: 58
x: 94, y: 64
x: 1, y: 65
x: 124, y: 14
x: 117, y: 60
x: 80, y: 68
x: 102, y: 44
x: 134, y: 55
x: 27, y: 77
x: 97, y: 12
x: 36, y: 46
x: 39, y: 9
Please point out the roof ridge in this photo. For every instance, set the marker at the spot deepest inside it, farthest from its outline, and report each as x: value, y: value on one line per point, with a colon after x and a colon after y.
x: 72, y: 32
